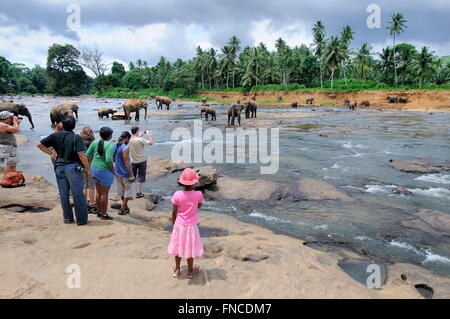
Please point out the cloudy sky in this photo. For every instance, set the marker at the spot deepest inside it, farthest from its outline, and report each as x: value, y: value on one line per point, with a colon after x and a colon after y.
x: 132, y: 29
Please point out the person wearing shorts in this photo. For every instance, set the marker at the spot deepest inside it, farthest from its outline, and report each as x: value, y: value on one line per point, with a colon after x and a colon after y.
x: 87, y: 134
x: 9, y: 125
x: 102, y: 166
x: 124, y: 175
x: 137, y: 155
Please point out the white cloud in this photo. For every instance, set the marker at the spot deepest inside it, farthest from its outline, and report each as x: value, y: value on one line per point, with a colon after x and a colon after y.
x: 294, y: 34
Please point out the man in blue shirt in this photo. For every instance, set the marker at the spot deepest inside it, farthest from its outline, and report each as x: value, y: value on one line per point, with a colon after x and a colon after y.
x: 124, y: 175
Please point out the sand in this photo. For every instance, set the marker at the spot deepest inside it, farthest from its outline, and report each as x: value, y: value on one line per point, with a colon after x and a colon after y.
x: 127, y: 258
x: 418, y: 100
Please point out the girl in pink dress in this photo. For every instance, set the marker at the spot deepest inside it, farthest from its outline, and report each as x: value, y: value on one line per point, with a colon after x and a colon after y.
x: 185, y: 241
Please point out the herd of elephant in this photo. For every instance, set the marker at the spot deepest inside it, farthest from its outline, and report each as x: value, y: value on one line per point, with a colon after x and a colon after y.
x: 57, y: 113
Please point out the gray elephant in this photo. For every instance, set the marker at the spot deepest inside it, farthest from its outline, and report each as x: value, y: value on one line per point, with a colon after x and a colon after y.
x: 294, y: 105
x: 208, y: 110
x: 58, y: 112
x: 102, y: 112
x: 392, y: 99
x: 17, y: 109
x: 310, y: 100
x: 347, y: 102
x: 250, y: 109
x: 403, y: 100
x: 365, y: 103
x: 352, y: 105
x: 134, y: 105
x: 234, y: 111
x: 162, y: 100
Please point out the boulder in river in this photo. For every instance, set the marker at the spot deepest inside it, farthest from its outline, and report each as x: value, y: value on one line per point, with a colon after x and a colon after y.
x: 401, y: 191
x: 160, y: 166
x: 208, y: 176
x: 235, y: 188
x: 430, y: 221
x: 416, y: 166
x: 312, y: 189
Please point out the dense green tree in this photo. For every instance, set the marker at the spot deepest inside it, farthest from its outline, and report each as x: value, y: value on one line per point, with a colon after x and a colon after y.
x: 397, y: 26
x: 65, y: 74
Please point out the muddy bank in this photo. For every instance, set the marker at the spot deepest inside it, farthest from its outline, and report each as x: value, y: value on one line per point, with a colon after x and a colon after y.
x: 423, y: 100
x: 126, y: 258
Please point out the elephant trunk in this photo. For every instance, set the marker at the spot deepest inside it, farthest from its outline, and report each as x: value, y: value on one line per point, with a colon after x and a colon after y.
x: 28, y: 114
x: 145, y: 116
x: 76, y: 113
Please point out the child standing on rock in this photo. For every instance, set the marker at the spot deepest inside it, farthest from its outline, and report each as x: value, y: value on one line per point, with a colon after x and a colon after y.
x: 185, y: 241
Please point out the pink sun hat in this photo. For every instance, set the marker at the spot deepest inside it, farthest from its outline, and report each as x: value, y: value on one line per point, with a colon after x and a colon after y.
x: 188, y: 177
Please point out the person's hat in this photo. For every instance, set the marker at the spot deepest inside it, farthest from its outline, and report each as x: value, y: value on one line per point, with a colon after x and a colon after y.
x: 5, y: 114
x: 188, y: 177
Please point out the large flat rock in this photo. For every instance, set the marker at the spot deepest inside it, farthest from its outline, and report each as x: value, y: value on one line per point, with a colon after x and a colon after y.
x: 313, y: 189
x: 410, y: 166
x: 235, y: 188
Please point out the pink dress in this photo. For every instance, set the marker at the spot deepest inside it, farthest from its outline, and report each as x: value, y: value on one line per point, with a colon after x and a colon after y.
x: 185, y: 241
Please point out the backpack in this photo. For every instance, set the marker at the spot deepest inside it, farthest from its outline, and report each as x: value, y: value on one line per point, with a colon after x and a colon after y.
x: 13, y: 179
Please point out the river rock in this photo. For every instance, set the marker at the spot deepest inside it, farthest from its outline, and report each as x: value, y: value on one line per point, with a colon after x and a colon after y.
x: 401, y: 191
x: 416, y: 166
x: 313, y: 189
x: 430, y: 221
x: 208, y: 175
x: 235, y: 188
x: 160, y: 166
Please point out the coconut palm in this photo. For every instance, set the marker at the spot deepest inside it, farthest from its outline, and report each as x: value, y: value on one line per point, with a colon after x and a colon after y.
x: 253, y: 67
x: 319, y: 43
x: 234, y: 44
x: 211, y: 64
x: 333, y: 55
x: 362, y: 58
x: 397, y: 26
x: 424, y: 65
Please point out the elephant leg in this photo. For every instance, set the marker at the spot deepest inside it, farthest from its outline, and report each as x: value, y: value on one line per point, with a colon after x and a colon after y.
x: 239, y: 119
x: 136, y: 118
x: 107, y: 116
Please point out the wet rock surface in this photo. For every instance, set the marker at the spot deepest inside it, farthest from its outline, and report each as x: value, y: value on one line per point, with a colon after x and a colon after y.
x: 430, y: 221
x: 160, y: 166
x: 410, y: 166
x: 208, y: 176
x: 313, y: 189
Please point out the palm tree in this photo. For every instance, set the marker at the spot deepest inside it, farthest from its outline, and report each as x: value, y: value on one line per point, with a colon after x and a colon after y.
x: 234, y: 43
x: 347, y: 35
x: 425, y: 64
x: 385, y: 62
x: 253, y: 67
x: 211, y: 64
x: 319, y: 43
x: 226, y: 62
x: 363, y: 58
x: 283, y: 55
x: 333, y: 55
x: 397, y: 26
x: 200, y: 64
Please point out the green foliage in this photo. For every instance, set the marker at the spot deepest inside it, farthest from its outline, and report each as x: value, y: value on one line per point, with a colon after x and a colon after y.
x: 66, y: 76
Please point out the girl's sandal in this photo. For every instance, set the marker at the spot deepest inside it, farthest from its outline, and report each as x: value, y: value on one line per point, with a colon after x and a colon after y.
x: 174, y: 274
x: 122, y: 212
x: 195, y: 271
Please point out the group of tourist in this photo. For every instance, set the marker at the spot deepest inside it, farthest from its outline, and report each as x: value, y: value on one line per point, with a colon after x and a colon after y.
x: 87, y: 167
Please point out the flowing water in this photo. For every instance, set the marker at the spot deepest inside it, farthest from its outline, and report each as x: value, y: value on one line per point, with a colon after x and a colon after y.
x: 350, y: 150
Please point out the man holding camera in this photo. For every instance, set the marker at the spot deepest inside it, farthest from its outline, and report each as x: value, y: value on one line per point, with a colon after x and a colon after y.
x: 9, y: 125
x: 69, y: 159
x: 137, y: 155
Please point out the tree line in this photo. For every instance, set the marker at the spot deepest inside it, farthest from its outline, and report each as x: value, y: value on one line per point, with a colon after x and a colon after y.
x: 330, y: 60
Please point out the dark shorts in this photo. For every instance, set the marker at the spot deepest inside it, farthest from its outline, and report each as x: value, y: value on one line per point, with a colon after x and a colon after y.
x: 139, y: 171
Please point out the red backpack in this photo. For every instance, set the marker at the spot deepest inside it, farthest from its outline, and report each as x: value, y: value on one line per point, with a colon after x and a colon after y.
x: 13, y: 179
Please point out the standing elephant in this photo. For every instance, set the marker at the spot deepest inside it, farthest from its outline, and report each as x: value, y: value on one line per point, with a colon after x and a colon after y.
x: 102, y: 112
x: 250, y: 109
x: 134, y: 105
x: 163, y: 100
x: 234, y: 111
x: 294, y: 105
x: 57, y: 113
x: 17, y: 109
x: 352, y: 105
x: 208, y: 110
x: 392, y: 99
x: 310, y: 100
x: 403, y: 100
x: 347, y: 102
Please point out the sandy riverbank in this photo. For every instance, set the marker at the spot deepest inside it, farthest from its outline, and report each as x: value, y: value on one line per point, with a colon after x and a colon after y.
x: 126, y: 258
x: 423, y: 100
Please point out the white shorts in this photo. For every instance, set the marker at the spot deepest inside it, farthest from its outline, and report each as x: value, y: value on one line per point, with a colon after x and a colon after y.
x: 8, y: 155
x: 124, y: 189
